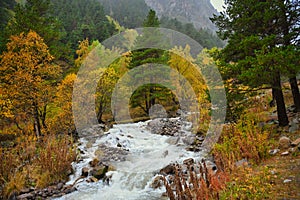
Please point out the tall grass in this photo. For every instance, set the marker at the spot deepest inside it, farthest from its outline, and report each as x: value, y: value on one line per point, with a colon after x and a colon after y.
x: 204, y: 184
x: 35, y: 163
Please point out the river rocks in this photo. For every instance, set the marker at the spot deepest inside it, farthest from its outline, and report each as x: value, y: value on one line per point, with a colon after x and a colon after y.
x: 94, y: 162
x: 169, y: 169
x: 158, y: 182
x: 109, y: 154
x: 284, y: 142
x: 188, y: 161
x: 85, y: 172
x: 53, y: 191
x: 165, y: 126
x: 94, y: 130
x: 175, y: 127
x: 25, y: 196
x: 99, y: 171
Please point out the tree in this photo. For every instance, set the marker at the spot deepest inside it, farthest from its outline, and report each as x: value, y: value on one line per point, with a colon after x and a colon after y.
x: 6, y: 13
x: 35, y: 15
x: 254, y: 34
x: 26, y: 79
x: 62, y: 121
x: 147, y: 95
x: 82, y: 19
x: 288, y: 23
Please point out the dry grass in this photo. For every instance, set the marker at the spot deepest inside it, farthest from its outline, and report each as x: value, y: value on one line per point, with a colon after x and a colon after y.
x: 35, y: 163
x: 196, y: 186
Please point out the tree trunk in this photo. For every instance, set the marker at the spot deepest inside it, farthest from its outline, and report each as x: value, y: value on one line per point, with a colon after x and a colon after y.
x: 295, y: 91
x: 43, y: 116
x: 100, y: 113
x: 36, y: 125
x: 278, y: 96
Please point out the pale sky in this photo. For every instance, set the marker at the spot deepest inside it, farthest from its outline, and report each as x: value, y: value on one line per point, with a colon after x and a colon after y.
x: 217, y: 4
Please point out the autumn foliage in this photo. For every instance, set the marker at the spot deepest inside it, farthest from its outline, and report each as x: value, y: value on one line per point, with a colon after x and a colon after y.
x: 27, y: 77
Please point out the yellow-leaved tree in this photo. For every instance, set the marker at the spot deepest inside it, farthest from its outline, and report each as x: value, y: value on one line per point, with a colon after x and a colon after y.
x: 189, y: 80
x: 63, y: 121
x: 27, y: 79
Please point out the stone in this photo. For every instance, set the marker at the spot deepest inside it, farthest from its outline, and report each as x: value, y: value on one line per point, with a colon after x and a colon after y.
x: 188, y: 161
x: 189, y: 140
x: 99, y: 171
x: 94, y: 162
x: 295, y: 142
x: 61, y: 185
x: 287, y: 181
x: 85, y: 172
x: 25, y: 196
x: 169, y: 169
x: 25, y: 190
x: 274, y: 151
x: 285, y: 153
x: 157, y: 182
x: 70, y: 190
x: 93, y: 179
x: 284, y: 142
x: 173, y: 140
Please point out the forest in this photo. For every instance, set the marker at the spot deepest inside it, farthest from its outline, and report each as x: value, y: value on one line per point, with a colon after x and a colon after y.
x: 44, y: 44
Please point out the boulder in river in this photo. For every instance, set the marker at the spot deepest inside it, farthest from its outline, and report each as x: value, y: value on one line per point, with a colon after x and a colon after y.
x: 99, y: 171
x: 85, y: 172
x: 169, y: 169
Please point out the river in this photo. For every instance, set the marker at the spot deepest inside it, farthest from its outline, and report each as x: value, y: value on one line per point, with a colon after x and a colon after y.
x: 147, y: 154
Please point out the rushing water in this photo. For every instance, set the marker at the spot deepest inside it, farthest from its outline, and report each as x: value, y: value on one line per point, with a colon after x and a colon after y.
x: 148, y: 153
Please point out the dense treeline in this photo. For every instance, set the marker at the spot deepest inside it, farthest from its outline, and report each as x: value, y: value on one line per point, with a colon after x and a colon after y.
x: 204, y: 37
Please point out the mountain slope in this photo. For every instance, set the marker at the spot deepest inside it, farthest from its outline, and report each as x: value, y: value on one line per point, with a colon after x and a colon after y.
x: 197, y: 12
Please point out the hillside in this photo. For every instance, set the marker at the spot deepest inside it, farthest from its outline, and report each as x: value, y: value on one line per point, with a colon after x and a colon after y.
x: 187, y: 11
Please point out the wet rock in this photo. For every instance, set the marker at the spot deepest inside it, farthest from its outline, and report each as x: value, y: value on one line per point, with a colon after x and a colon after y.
x: 188, y: 161
x: 284, y: 142
x: 165, y: 126
x: 173, y: 140
x: 189, y: 140
x: 157, y: 182
x: 109, y: 154
x: 169, y: 169
x: 295, y: 142
x: 70, y: 190
x: 95, y: 130
x: 94, y: 162
x: 25, y: 196
x: 25, y: 190
x: 93, y: 179
x: 99, y: 171
x: 60, y: 186
x: 85, y: 172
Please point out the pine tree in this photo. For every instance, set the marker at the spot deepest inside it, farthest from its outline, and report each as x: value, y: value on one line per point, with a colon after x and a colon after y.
x: 254, y: 31
x: 148, y: 95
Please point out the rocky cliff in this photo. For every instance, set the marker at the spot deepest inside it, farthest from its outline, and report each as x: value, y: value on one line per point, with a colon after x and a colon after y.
x: 187, y: 11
